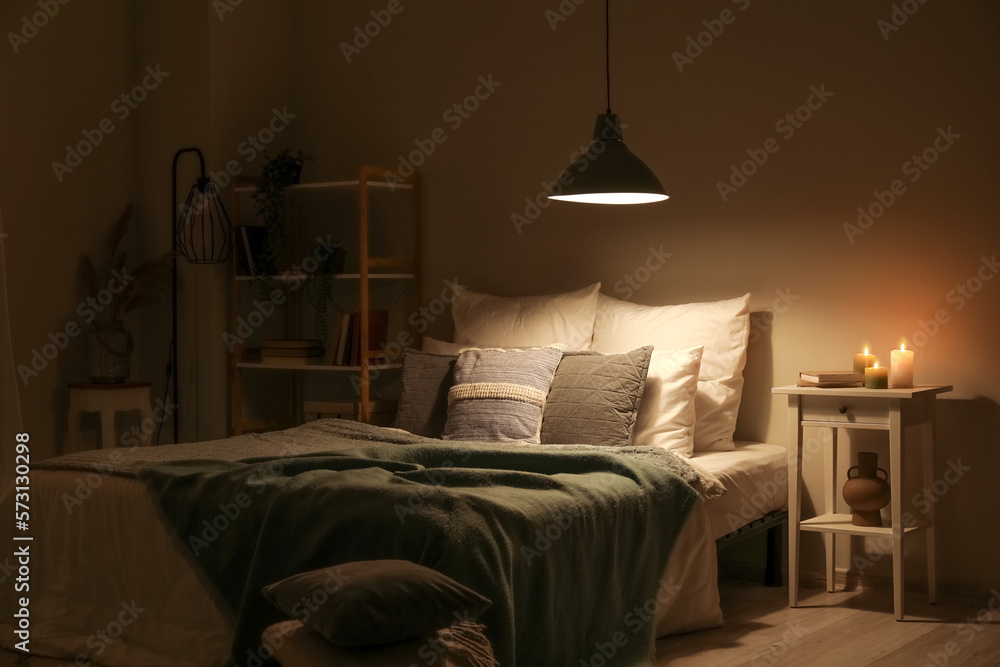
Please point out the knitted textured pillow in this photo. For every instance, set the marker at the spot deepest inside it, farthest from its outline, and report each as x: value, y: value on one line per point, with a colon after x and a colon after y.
x: 499, y: 394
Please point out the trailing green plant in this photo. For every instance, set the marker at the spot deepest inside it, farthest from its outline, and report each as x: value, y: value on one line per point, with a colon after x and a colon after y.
x: 278, y: 173
x: 318, y: 288
x: 117, y: 290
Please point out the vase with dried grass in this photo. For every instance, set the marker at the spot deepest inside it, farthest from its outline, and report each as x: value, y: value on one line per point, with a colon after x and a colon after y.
x: 116, y: 290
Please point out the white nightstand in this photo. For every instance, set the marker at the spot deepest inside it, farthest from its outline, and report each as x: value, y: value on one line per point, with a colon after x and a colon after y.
x: 892, y: 410
x: 108, y: 400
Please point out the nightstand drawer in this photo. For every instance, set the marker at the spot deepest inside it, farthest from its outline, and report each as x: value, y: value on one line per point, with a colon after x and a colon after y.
x: 845, y: 409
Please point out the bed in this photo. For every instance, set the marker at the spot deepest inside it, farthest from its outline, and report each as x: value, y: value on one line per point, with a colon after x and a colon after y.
x: 119, y: 566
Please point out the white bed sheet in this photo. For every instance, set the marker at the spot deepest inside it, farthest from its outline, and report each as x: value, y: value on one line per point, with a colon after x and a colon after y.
x: 92, y: 572
x: 756, y: 479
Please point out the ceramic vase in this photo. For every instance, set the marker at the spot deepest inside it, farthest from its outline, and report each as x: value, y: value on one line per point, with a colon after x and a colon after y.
x: 865, y: 491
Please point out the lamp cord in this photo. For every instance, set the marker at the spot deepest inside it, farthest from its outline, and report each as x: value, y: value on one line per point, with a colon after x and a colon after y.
x: 607, y: 49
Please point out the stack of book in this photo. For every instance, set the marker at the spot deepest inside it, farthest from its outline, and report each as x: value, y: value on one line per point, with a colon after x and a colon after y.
x: 831, y: 379
x: 345, y: 338
x: 291, y: 351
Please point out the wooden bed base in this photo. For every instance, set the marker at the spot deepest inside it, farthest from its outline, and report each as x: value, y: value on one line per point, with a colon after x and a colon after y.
x: 775, y: 523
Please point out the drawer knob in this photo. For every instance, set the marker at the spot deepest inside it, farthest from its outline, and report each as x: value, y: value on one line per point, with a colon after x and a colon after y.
x: 843, y: 409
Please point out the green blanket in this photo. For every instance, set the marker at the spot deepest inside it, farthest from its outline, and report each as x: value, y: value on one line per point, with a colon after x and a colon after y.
x: 569, y: 546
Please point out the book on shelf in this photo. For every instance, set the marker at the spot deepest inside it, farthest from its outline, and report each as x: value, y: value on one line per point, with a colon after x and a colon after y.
x: 291, y: 354
x: 378, y: 333
x: 347, y: 408
x: 292, y: 343
x: 250, y: 243
x: 831, y: 379
x: 336, y: 335
x: 297, y: 351
x: 291, y: 361
x: 345, y: 341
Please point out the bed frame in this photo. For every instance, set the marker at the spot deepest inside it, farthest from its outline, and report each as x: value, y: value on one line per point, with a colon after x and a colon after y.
x: 775, y: 524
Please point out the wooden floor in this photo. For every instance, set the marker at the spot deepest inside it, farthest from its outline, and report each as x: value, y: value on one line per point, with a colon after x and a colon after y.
x: 843, y: 629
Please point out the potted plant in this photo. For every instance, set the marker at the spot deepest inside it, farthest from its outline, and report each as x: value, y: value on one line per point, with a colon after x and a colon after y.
x: 115, y: 291
x: 279, y: 172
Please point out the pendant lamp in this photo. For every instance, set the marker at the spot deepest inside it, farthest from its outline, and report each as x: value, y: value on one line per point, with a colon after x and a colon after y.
x: 608, y: 173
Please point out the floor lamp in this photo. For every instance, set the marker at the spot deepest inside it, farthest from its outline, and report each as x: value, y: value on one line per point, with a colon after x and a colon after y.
x: 202, y: 233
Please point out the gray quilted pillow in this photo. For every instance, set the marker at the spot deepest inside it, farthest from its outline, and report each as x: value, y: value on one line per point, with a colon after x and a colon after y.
x: 423, y: 400
x: 594, y: 398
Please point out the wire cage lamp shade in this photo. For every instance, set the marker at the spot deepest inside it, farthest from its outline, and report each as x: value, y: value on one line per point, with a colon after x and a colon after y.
x: 204, y: 233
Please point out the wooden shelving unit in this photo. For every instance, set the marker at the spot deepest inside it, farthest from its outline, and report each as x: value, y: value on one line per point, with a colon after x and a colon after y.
x: 371, y: 182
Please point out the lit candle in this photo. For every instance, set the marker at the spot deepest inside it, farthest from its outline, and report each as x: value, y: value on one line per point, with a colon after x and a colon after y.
x: 901, y: 367
x: 863, y: 361
x: 876, y: 378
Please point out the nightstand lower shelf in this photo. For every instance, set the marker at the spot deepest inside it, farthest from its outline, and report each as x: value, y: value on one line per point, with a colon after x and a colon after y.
x: 841, y: 524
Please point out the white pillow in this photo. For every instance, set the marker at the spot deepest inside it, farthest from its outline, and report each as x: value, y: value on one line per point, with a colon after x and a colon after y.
x: 667, y: 412
x: 722, y: 327
x: 435, y: 346
x: 485, y: 320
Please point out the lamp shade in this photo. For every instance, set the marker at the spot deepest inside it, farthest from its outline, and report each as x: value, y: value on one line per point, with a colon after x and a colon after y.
x: 204, y: 232
x: 608, y: 173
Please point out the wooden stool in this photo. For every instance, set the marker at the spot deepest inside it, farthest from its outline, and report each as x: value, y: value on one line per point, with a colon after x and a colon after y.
x: 107, y: 399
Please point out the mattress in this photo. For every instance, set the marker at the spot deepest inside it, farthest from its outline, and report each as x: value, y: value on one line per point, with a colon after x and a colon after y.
x: 116, y: 585
x: 756, y: 479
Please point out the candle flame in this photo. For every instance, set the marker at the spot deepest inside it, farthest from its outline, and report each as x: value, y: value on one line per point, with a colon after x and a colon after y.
x: 902, y: 346
x: 876, y: 365
x: 866, y: 351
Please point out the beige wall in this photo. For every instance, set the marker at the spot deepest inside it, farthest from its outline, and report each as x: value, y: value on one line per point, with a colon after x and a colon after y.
x: 781, y: 233
x: 60, y: 83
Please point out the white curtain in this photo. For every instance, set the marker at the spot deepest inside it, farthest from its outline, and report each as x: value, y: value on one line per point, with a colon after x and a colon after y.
x: 10, y: 402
